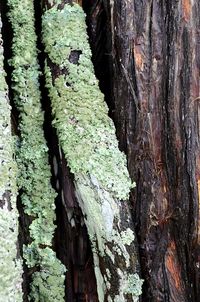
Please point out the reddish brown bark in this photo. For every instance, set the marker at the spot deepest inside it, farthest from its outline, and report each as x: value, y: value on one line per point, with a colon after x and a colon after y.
x: 155, y: 59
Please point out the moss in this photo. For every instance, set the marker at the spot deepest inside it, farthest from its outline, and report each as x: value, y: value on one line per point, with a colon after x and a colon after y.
x: 32, y: 156
x: 87, y: 137
x: 10, y: 264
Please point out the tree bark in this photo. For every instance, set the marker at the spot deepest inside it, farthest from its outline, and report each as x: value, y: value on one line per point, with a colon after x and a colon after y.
x: 87, y: 137
x: 45, y: 271
x: 154, y: 56
x: 10, y: 262
x: 146, y: 56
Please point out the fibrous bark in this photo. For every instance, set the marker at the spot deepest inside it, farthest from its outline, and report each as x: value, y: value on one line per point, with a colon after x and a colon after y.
x: 155, y: 79
x: 87, y: 137
x: 10, y: 262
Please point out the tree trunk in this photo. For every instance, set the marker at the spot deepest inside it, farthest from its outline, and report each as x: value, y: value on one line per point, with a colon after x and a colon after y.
x: 146, y: 58
x: 37, y: 196
x: 87, y: 138
x: 154, y: 74
x: 10, y: 262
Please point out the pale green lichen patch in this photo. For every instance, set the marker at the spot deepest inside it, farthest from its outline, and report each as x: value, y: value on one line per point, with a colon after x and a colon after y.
x: 100, y: 210
x: 129, y: 284
x: 10, y: 265
x: 85, y: 131
x: 127, y: 236
x: 134, y: 285
x: 32, y: 155
x: 101, y: 286
x: 49, y: 281
x: 99, y: 226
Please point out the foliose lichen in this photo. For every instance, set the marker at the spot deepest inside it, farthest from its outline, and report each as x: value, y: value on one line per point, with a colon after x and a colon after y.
x: 129, y: 284
x: 85, y: 131
x: 134, y: 285
x: 49, y: 280
x: 10, y: 264
x: 32, y: 156
x: 87, y: 137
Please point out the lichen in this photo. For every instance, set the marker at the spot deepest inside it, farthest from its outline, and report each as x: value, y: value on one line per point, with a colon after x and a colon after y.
x: 80, y: 113
x: 134, y: 285
x: 34, y: 178
x: 127, y: 236
x: 92, y: 202
x: 10, y: 264
x: 48, y: 282
x: 87, y: 136
x: 129, y: 284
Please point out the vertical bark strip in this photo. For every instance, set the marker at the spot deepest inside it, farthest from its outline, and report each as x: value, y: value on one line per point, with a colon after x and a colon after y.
x: 72, y: 242
x: 37, y: 194
x: 87, y: 137
x: 10, y: 263
x: 155, y: 78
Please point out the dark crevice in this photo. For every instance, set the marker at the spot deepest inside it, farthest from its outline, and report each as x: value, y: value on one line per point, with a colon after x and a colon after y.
x: 74, y: 56
x: 98, y: 28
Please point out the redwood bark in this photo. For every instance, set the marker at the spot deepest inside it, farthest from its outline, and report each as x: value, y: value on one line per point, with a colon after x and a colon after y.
x: 155, y: 59
x: 147, y: 56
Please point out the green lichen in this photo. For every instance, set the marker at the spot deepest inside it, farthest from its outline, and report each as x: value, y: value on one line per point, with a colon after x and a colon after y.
x: 129, y: 284
x: 48, y: 282
x: 10, y: 264
x: 85, y: 131
x: 134, y: 285
x: 127, y: 236
x: 103, y: 224
x: 87, y: 137
x: 32, y: 156
x: 101, y: 211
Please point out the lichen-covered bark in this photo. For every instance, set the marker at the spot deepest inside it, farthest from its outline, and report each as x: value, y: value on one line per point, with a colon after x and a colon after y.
x: 87, y: 137
x: 37, y: 195
x: 155, y: 87
x: 10, y: 263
